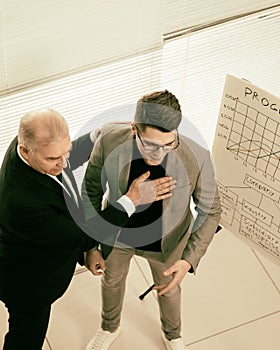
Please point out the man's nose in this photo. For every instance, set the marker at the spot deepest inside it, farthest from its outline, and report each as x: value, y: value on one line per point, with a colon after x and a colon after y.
x: 158, y: 151
x: 65, y: 161
x: 62, y: 161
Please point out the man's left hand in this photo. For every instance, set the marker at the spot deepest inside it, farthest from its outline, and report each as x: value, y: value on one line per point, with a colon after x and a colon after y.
x: 179, y: 270
x: 94, y: 262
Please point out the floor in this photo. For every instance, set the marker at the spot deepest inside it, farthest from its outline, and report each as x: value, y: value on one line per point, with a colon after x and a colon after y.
x: 232, y: 303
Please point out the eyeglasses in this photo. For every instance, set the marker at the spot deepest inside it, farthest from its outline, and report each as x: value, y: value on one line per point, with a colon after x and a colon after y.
x: 152, y: 147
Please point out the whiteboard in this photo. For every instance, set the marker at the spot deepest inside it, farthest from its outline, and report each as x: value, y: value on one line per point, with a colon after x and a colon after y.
x: 246, y: 153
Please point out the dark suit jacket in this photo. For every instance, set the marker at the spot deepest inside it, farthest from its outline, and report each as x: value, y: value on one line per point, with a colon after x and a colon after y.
x: 42, y: 233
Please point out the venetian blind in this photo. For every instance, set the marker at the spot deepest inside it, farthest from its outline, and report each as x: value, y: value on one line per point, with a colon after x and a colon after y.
x: 93, y: 60
x: 88, y: 99
x: 40, y: 40
x: 196, y: 64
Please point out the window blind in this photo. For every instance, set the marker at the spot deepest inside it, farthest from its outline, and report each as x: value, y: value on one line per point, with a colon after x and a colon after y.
x: 102, y: 91
x: 40, y: 40
x: 88, y: 99
x: 195, y: 65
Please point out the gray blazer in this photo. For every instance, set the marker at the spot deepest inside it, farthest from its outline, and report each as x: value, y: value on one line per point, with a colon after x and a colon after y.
x: 185, y: 235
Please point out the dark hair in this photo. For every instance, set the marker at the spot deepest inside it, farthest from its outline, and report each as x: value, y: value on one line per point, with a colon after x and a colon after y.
x: 160, y: 110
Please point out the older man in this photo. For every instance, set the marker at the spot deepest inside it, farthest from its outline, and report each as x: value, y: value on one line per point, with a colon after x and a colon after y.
x: 42, y: 226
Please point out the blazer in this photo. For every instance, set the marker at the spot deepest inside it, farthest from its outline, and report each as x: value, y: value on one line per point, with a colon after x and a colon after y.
x: 184, y: 235
x: 42, y: 231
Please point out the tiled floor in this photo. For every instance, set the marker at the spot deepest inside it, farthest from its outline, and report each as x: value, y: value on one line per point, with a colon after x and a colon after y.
x: 233, y: 303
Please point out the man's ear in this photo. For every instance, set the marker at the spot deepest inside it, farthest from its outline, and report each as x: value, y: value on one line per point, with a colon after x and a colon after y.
x: 24, y: 151
x: 133, y: 128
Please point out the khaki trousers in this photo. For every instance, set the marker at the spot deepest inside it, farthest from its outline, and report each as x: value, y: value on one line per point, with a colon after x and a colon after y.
x: 113, y: 290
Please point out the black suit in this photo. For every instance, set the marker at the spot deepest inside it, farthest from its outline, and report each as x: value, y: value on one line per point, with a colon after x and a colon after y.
x: 40, y: 242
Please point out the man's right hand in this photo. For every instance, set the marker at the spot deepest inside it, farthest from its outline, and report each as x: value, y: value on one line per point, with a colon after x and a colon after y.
x: 144, y: 191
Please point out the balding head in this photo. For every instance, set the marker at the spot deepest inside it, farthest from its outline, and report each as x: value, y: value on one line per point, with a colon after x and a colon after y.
x: 42, y: 127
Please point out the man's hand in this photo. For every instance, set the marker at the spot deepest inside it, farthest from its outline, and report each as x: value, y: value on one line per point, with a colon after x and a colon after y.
x: 94, y: 262
x: 179, y: 269
x: 144, y: 191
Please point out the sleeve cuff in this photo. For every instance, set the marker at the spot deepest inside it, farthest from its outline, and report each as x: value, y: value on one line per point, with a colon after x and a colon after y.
x: 127, y: 204
x: 93, y: 249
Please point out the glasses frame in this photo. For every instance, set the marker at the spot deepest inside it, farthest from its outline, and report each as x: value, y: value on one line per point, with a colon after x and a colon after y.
x: 164, y: 148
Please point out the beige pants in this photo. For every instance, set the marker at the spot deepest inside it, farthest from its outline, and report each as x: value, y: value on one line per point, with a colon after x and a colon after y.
x: 113, y: 288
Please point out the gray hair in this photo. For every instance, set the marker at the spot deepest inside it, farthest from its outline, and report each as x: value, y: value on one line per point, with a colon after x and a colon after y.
x: 41, y: 127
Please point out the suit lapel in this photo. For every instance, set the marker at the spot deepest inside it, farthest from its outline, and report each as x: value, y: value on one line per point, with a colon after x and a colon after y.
x: 171, y: 170
x: 71, y: 177
x: 124, y: 164
x: 120, y: 159
x: 172, y: 206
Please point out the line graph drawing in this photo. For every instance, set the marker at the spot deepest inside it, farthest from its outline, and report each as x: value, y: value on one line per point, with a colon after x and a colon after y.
x: 246, y: 153
x: 254, y: 138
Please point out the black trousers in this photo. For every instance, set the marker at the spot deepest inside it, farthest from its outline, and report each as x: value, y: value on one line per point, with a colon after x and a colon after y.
x: 27, y: 328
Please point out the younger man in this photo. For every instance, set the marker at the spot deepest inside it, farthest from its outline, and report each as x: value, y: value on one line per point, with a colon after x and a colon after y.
x: 165, y: 232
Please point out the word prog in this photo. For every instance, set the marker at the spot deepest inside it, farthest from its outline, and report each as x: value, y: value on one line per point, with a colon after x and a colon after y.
x: 262, y: 100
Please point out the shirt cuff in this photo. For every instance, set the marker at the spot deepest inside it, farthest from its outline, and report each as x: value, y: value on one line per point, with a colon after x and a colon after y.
x: 127, y: 204
x: 93, y: 249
